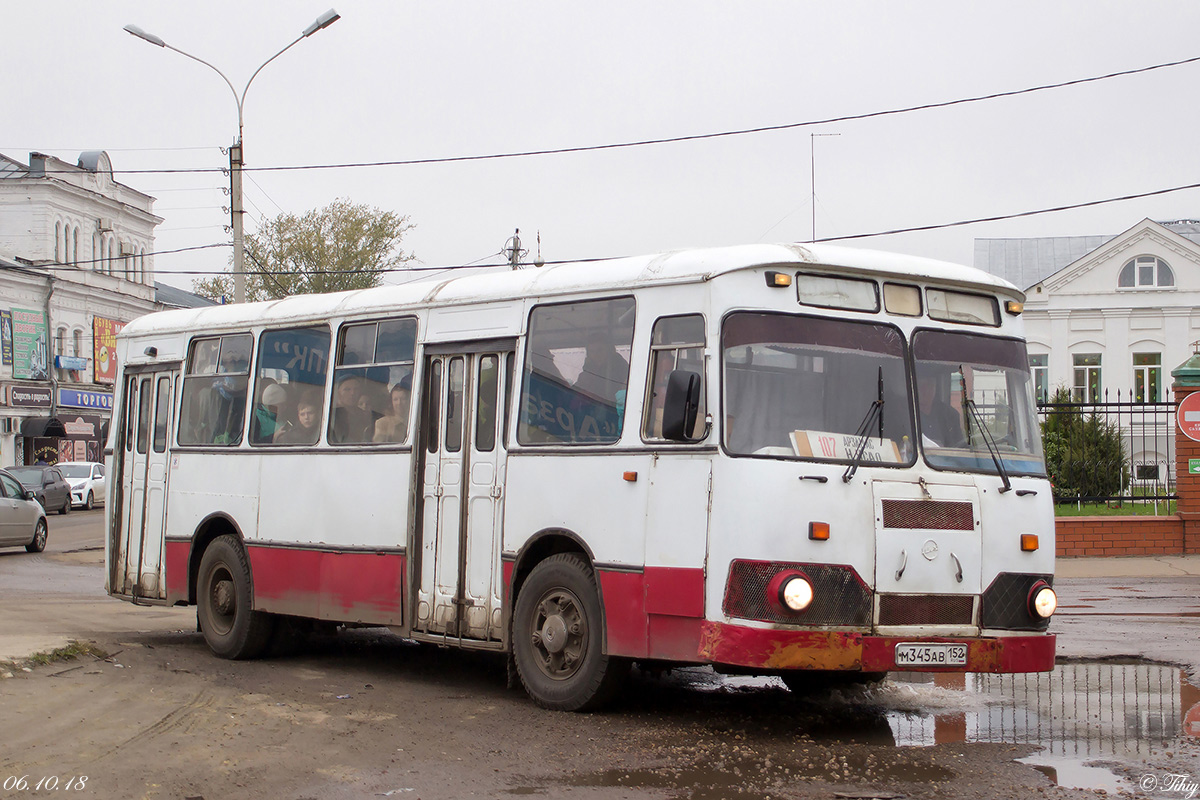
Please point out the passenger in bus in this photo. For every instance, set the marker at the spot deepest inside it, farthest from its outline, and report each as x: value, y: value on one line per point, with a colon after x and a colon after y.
x: 351, y: 424
x: 941, y: 423
x: 266, y: 413
x: 394, y: 426
x: 305, y: 429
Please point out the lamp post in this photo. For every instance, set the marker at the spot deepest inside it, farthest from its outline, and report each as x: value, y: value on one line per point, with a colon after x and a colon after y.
x: 235, y: 152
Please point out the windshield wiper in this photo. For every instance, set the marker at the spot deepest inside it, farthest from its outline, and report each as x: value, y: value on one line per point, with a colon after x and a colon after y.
x: 874, y: 412
x: 991, y: 445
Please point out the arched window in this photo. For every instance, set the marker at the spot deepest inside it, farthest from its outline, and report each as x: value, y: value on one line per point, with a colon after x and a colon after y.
x: 58, y: 235
x: 1145, y: 272
x: 77, y: 341
x: 75, y: 246
x: 96, y: 264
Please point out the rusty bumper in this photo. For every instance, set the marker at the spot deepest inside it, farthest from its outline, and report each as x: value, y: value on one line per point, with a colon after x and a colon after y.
x: 771, y: 649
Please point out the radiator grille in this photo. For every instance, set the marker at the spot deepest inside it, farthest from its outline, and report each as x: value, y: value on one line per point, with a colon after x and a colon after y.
x: 932, y: 514
x: 926, y: 609
x: 839, y: 598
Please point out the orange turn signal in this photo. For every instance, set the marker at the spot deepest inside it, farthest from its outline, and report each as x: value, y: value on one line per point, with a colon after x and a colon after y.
x: 630, y: 476
x: 1029, y: 542
x: 818, y: 531
x: 775, y: 279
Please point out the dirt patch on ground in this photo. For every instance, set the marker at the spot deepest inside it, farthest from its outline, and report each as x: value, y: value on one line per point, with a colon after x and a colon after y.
x: 366, y: 714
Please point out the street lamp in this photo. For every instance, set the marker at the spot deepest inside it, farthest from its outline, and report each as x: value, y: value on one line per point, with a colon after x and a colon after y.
x: 235, y: 152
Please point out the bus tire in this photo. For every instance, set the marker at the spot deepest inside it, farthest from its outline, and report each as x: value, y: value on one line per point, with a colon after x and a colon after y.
x: 558, y: 639
x: 232, y: 628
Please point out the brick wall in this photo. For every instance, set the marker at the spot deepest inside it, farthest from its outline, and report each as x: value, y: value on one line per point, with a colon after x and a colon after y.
x: 1119, y: 536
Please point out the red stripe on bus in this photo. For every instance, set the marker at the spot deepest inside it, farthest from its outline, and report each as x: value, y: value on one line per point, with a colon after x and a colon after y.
x: 766, y: 648
x: 175, y: 567
x: 343, y: 586
x: 653, y: 614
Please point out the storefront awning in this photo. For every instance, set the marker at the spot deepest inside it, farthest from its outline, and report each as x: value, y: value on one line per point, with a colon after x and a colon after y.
x: 32, y: 427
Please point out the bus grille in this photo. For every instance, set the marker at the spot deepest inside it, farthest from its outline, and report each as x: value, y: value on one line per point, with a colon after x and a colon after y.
x: 928, y: 514
x: 839, y: 597
x: 926, y: 609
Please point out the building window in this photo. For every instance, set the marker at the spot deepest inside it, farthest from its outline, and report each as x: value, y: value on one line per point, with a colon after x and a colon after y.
x: 1039, y: 366
x: 1087, y: 378
x: 1147, y: 377
x: 58, y: 236
x: 1146, y: 272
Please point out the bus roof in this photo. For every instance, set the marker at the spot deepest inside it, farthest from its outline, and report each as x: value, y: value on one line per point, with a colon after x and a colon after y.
x: 681, y: 266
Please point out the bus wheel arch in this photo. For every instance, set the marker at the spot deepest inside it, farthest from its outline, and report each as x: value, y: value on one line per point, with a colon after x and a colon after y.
x: 558, y: 640
x: 209, y: 529
x: 224, y: 595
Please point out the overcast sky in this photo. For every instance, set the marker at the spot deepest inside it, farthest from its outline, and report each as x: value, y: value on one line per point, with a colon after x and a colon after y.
x: 407, y: 80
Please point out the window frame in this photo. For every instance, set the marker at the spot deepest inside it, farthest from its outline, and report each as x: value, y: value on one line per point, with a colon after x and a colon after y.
x: 652, y: 363
x: 338, y: 371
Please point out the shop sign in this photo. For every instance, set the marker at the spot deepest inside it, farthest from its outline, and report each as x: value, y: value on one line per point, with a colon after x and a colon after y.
x: 74, y: 398
x: 6, y: 338
x: 70, y: 362
x: 28, y: 397
x: 31, y: 345
x: 104, y: 357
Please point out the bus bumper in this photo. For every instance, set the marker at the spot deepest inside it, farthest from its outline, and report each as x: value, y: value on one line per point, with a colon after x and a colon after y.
x: 771, y: 649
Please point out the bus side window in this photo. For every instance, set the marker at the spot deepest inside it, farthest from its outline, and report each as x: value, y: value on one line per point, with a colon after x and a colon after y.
x: 372, y: 381
x: 676, y: 343
x: 289, y: 386
x: 576, y: 372
x: 214, y: 391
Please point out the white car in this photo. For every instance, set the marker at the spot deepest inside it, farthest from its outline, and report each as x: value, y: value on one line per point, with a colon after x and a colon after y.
x: 88, y: 485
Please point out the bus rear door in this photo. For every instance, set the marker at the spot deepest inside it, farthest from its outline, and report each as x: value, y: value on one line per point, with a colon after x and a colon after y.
x: 139, y: 522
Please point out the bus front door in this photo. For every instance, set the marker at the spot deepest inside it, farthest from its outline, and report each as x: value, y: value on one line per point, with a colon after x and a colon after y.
x: 459, y: 586
x: 138, y: 531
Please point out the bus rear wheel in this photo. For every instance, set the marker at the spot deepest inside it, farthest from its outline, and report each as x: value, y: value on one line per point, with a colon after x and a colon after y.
x: 558, y: 640
x: 232, y: 628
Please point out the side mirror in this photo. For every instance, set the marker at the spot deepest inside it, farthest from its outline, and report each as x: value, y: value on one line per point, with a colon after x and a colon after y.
x: 30, y: 495
x: 681, y: 405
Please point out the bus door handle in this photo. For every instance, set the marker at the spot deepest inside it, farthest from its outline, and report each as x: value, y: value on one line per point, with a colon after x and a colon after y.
x: 958, y: 565
x: 903, y: 564
x: 817, y: 478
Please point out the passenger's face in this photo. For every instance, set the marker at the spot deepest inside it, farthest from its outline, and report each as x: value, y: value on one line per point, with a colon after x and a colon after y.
x: 306, y: 415
x: 348, y: 393
x: 400, y: 399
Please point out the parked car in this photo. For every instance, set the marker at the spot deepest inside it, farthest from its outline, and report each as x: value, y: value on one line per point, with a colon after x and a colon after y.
x: 88, y: 486
x: 48, y: 486
x: 22, y: 517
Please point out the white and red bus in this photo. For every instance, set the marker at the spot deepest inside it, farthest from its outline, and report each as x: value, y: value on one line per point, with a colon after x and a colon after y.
x: 802, y: 461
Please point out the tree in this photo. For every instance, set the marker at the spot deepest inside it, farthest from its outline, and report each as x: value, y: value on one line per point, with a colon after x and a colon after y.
x: 1085, y: 455
x: 341, y: 246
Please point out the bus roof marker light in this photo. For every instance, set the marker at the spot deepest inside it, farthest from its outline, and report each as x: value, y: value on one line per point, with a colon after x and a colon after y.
x: 1029, y: 542
x: 818, y: 531
x: 778, y: 280
x: 1014, y: 307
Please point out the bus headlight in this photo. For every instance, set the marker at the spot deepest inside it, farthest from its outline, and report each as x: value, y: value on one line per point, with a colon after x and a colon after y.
x: 796, y: 593
x: 1042, y: 600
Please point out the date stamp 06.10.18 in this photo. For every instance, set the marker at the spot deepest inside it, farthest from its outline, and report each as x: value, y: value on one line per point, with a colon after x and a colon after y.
x: 28, y: 783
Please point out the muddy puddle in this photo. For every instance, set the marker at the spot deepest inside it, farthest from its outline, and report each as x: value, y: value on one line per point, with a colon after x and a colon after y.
x: 1089, y: 725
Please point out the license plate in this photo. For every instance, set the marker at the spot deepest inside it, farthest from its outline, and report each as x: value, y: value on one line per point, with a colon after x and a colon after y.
x: 916, y: 654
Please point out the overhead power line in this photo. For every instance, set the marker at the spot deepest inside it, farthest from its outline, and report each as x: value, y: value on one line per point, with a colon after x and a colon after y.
x: 674, y: 139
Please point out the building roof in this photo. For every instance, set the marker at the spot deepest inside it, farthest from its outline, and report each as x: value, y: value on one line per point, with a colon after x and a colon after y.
x: 1027, y: 262
x: 11, y: 168
x: 173, y: 297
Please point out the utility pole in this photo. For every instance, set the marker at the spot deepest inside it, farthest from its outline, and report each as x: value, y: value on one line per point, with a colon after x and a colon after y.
x: 512, y: 249
x: 812, y: 165
x: 235, y: 204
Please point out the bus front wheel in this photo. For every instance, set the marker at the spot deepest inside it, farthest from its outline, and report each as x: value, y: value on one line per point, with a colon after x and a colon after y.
x: 232, y: 628
x: 558, y: 640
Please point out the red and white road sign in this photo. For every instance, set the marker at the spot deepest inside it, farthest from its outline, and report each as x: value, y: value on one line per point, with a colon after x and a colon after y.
x: 1188, y: 416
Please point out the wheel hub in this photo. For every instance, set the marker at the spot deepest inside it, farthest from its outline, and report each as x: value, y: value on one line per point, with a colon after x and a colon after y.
x: 554, y: 634
x: 223, y: 600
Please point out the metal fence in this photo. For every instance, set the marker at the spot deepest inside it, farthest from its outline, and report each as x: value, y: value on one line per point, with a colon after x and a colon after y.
x: 1086, y: 467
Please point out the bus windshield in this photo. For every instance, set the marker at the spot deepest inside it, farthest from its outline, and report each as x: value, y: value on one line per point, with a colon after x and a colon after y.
x: 974, y: 393
x: 803, y: 387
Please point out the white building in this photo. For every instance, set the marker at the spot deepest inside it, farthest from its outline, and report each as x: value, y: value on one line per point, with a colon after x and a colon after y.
x: 1109, y: 317
x: 76, y: 263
